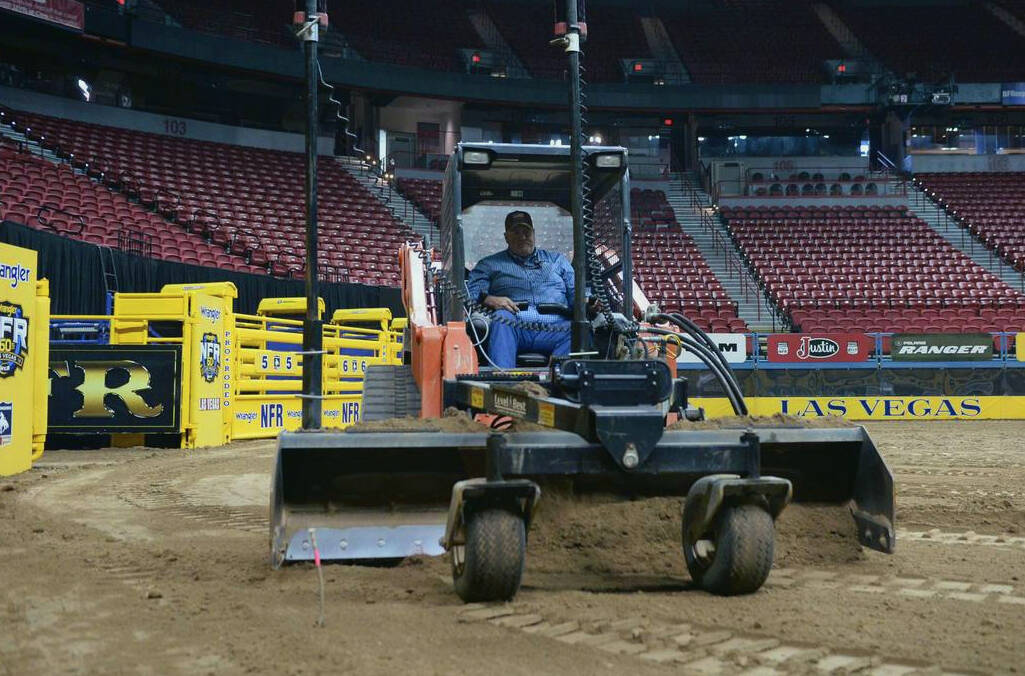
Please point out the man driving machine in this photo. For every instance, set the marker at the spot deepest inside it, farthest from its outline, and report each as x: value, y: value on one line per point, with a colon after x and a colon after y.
x: 526, y: 284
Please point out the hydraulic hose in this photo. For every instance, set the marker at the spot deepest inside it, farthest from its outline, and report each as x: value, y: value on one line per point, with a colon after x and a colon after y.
x: 699, y: 335
x: 707, y: 356
x: 702, y: 337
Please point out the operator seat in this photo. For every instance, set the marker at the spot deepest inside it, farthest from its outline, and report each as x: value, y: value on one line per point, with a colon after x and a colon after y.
x: 480, y: 323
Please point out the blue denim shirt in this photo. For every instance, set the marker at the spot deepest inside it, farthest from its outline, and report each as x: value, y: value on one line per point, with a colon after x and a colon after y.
x: 542, y: 277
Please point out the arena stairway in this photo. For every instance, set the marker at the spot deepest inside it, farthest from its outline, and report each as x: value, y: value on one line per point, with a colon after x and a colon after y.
x: 754, y: 309
x: 948, y: 228
x: 401, y: 209
x: 17, y: 137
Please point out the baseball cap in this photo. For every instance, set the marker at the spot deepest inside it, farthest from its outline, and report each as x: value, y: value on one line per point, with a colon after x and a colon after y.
x: 518, y: 218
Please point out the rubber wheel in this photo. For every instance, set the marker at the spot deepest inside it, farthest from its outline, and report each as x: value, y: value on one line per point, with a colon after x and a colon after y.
x: 389, y: 392
x: 489, y: 567
x: 735, y: 555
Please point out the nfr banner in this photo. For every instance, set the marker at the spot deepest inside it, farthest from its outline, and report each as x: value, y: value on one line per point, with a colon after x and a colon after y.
x: 942, y: 347
x: 19, y: 351
x: 819, y: 347
x: 1012, y: 93
x: 115, y: 389
x: 67, y: 13
x: 732, y: 345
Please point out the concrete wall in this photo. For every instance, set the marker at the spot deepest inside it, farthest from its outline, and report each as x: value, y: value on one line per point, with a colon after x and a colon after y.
x: 176, y: 127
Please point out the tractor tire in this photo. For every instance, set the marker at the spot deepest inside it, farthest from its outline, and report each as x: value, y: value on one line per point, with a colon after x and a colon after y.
x: 735, y: 555
x: 389, y: 392
x: 489, y: 567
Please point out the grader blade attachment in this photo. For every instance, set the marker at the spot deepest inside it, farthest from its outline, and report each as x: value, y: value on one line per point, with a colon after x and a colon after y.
x: 384, y: 495
x: 835, y: 465
x: 370, y: 495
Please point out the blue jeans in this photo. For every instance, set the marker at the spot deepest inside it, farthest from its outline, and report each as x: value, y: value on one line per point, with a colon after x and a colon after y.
x: 506, y: 341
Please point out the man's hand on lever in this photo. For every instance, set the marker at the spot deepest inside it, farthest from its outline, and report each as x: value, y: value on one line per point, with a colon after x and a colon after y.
x: 501, y: 303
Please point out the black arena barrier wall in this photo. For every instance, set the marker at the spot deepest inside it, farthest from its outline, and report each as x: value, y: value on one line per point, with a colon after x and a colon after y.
x: 75, y: 271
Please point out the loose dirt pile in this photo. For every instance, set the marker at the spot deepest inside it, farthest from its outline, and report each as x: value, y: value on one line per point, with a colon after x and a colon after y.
x: 606, y: 535
x: 453, y: 420
x: 531, y: 388
x: 778, y: 420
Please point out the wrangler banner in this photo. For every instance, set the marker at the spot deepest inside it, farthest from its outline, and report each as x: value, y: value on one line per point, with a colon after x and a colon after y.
x: 876, y: 408
x: 115, y: 389
x: 819, y: 347
x: 942, y: 347
x: 19, y: 352
x: 67, y: 13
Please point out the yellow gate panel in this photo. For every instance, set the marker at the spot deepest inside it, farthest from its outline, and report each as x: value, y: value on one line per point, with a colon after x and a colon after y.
x: 212, y: 370
x: 24, y: 315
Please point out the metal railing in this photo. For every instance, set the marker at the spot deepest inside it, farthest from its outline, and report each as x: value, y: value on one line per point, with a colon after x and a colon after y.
x: 135, y: 242
x: 43, y: 217
x: 922, y: 197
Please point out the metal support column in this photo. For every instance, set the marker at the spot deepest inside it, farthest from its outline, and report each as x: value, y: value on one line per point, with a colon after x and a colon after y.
x: 579, y: 336
x: 313, y: 340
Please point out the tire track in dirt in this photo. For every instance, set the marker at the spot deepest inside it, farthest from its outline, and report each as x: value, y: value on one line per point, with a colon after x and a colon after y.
x: 936, y: 536
x: 162, y: 496
x: 929, y: 490
x: 696, y: 648
x: 908, y: 587
x: 899, y: 470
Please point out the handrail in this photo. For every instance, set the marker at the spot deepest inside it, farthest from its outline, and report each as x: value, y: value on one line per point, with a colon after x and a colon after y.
x: 205, y: 212
x: 58, y: 210
x: 968, y: 238
x: 735, y: 266
x: 133, y: 241
x: 170, y: 193
x: 885, y: 161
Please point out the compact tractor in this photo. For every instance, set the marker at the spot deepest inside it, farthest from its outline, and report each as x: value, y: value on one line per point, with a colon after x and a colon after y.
x: 611, y: 416
x: 600, y: 413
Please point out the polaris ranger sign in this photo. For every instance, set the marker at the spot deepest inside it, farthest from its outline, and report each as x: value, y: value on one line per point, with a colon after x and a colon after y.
x: 942, y: 347
x: 732, y: 345
x: 819, y: 347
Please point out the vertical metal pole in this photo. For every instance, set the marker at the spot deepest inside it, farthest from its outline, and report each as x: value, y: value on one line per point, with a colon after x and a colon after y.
x: 579, y: 335
x: 313, y: 387
x: 627, y: 256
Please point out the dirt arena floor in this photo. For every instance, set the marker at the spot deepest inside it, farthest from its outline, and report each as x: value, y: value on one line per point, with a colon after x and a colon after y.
x: 138, y: 561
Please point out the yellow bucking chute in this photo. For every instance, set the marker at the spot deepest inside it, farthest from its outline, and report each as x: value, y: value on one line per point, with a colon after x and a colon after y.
x: 287, y: 307
x: 242, y: 374
x: 24, y: 357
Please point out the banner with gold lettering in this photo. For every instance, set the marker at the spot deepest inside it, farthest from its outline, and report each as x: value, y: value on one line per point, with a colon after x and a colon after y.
x: 115, y: 389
